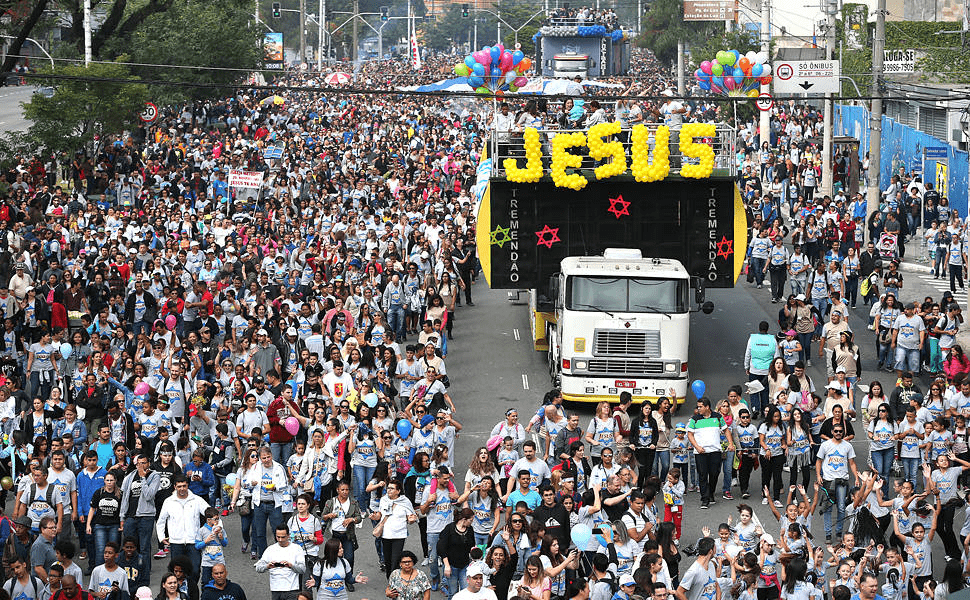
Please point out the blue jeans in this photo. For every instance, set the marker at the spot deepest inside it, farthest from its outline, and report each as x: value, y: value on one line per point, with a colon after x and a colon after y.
x: 911, y: 470
x: 140, y: 326
x: 759, y: 400
x: 141, y: 528
x: 261, y: 513
x: 362, y: 475
x: 727, y: 467
x: 661, y: 464
x: 840, y: 493
x: 246, y: 524
x: 433, y: 556
x: 820, y: 304
x: 882, y: 462
x: 348, y: 545
x: 456, y: 581
x: 907, y: 359
x: 884, y: 354
x: 395, y: 320
x: 805, y: 339
x: 758, y: 266
x: 194, y: 555
x: 102, y: 534
x: 481, y: 539
x: 281, y: 451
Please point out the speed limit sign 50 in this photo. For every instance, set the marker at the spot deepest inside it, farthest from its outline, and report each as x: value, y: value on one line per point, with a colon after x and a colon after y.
x: 764, y: 101
x: 149, y: 113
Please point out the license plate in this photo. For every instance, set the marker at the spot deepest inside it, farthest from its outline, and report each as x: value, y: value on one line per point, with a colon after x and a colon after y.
x: 620, y: 383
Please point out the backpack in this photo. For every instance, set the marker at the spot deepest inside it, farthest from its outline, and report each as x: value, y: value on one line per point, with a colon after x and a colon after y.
x: 6, y: 528
x: 48, y: 496
x: 611, y: 581
x: 36, y: 585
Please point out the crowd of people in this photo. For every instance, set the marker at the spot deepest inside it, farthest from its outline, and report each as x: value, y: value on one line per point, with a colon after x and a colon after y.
x: 175, y: 351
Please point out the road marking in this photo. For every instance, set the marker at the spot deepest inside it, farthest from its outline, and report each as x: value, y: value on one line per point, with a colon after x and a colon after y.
x: 515, y: 332
x: 525, y: 381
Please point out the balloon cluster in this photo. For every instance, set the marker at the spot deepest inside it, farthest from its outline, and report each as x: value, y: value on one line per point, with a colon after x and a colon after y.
x: 734, y: 74
x: 562, y: 159
x: 533, y: 160
x: 599, y: 150
x: 591, y: 30
x: 645, y: 171
x: 704, y: 153
x: 495, y: 70
x: 617, y: 35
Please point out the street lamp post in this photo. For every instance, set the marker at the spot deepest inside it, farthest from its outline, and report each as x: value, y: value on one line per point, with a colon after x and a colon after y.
x: 503, y: 22
x: 36, y: 43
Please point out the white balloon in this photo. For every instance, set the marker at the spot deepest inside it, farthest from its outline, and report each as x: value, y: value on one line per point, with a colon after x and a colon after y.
x: 761, y: 57
x: 510, y: 76
x: 765, y: 69
x: 751, y: 56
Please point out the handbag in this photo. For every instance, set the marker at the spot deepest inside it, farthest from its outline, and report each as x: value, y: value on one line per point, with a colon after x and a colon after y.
x: 243, y: 507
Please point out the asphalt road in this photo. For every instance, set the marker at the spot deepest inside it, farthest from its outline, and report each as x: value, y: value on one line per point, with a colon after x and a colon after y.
x: 11, y: 112
x: 493, y: 367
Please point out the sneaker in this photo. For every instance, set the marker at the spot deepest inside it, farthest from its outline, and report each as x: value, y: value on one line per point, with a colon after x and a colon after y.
x: 809, y: 363
x: 764, y: 501
x: 245, y: 548
x: 350, y: 586
x: 83, y: 555
x: 745, y: 495
x: 424, y: 563
x: 727, y: 496
x: 469, y: 304
x: 161, y: 554
x: 778, y: 503
x: 828, y: 539
x: 225, y: 513
x: 705, y: 506
x: 760, y: 286
x: 434, y: 585
x: 252, y: 555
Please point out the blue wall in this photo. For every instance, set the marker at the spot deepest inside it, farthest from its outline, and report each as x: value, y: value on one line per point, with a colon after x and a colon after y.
x: 903, y: 146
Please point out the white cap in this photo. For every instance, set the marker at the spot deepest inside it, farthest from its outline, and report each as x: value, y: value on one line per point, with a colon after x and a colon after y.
x: 834, y: 385
x: 261, y: 332
x: 840, y: 370
x: 144, y: 593
x: 767, y: 538
x: 627, y: 579
x: 474, y: 570
x: 800, y: 297
x: 291, y: 331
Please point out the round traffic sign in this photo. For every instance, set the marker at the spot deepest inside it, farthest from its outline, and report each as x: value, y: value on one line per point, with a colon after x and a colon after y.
x: 149, y: 113
x: 785, y: 71
x: 764, y: 101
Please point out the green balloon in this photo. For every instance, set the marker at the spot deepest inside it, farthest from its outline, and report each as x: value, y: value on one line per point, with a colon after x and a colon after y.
x: 462, y: 70
x: 726, y: 59
x: 717, y: 69
x: 513, y: 88
x: 482, y: 90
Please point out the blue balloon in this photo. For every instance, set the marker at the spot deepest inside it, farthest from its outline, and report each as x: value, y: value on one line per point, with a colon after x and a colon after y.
x: 705, y: 85
x: 699, y: 387
x: 495, y: 72
x: 476, y: 82
x: 757, y: 70
x: 496, y: 53
x: 404, y: 428
x: 479, y: 70
x: 470, y: 61
x: 504, y: 87
x: 737, y: 55
x: 718, y: 81
x: 580, y: 535
x: 738, y: 73
x: 517, y: 57
x: 231, y: 479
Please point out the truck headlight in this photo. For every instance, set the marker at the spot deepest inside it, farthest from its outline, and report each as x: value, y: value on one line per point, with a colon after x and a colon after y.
x: 581, y: 365
x: 670, y: 367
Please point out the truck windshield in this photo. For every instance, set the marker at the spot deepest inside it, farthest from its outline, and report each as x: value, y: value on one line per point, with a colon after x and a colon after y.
x: 611, y: 294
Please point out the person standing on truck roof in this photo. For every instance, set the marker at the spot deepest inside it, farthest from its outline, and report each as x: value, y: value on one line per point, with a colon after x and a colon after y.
x: 761, y: 350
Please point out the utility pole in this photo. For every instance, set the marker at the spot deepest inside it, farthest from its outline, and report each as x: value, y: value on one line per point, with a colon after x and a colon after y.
x: 256, y: 12
x: 681, y: 84
x: 639, y: 15
x: 302, y: 31
x: 475, y: 35
x: 831, y: 7
x: 320, y: 18
x: 875, y: 114
x: 764, y: 125
x: 87, y: 32
x: 353, y: 51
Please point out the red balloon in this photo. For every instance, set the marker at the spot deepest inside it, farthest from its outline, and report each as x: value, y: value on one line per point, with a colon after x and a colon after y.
x: 766, y: 80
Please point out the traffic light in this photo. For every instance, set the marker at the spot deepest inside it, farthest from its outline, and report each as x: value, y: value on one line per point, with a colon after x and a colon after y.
x: 464, y: 11
x: 384, y: 12
x: 277, y: 10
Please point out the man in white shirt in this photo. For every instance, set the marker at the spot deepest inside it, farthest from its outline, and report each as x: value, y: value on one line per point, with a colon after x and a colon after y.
x: 285, y: 563
x: 475, y: 590
x: 181, y: 513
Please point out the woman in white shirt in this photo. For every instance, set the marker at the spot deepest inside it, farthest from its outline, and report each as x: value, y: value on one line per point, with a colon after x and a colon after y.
x: 396, y: 513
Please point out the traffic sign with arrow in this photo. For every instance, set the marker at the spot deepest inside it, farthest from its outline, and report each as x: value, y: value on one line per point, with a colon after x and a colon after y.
x: 807, y: 77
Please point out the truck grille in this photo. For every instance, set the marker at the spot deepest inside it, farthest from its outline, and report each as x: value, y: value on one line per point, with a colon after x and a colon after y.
x: 617, y: 366
x: 615, y: 342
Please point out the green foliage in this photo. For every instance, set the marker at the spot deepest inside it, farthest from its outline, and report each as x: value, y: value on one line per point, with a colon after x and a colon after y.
x: 664, y: 26
x: 212, y: 35
x: 79, y: 111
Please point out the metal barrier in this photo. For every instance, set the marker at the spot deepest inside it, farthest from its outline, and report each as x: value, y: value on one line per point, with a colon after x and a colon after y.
x: 511, y: 145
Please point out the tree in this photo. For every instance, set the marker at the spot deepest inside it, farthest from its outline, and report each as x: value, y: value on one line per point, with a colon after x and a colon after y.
x: 23, y: 24
x: 81, y: 110
x: 664, y: 26
x: 218, y: 37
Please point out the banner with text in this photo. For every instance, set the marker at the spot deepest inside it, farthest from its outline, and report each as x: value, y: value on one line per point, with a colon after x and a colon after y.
x: 273, y: 50
x: 245, y: 179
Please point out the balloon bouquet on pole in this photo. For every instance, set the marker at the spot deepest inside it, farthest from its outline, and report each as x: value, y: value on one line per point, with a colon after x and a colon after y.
x: 495, y: 70
x: 734, y: 75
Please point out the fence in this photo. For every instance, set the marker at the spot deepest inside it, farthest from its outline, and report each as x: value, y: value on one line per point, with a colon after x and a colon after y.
x: 905, y: 147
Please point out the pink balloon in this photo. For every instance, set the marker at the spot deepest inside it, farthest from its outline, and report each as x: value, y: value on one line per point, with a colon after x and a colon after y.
x: 520, y: 81
x: 170, y: 322
x: 501, y: 48
x: 141, y: 389
x: 706, y: 67
x: 729, y: 83
x: 292, y: 425
x: 484, y: 58
x: 505, y: 63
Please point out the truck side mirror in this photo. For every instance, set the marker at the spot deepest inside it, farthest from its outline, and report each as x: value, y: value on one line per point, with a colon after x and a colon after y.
x: 699, y: 293
x: 554, y: 290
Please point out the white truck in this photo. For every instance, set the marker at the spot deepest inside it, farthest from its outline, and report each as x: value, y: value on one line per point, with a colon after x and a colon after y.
x: 618, y: 322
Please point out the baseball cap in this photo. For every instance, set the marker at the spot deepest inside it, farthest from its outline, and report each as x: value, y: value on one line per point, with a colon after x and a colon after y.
x: 261, y: 332
x: 800, y: 297
x: 791, y: 332
x: 834, y: 385
x: 144, y: 593
x: 910, y: 306
x: 259, y: 379
x: 680, y: 427
x: 474, y: 570
x: 291, y: 331
x: 840, y: 370
x: 627, y: 579
x: 765, y: 538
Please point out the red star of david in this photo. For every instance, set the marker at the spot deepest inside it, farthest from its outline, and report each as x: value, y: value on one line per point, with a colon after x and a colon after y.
x: 619, y: 206
x: 553, y: 236
x: 725, y: 247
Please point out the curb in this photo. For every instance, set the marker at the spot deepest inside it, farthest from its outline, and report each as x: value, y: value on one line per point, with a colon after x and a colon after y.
x: 911, y: 267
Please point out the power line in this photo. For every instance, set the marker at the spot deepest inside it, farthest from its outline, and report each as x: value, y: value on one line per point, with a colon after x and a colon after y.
x: 353, y: 91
